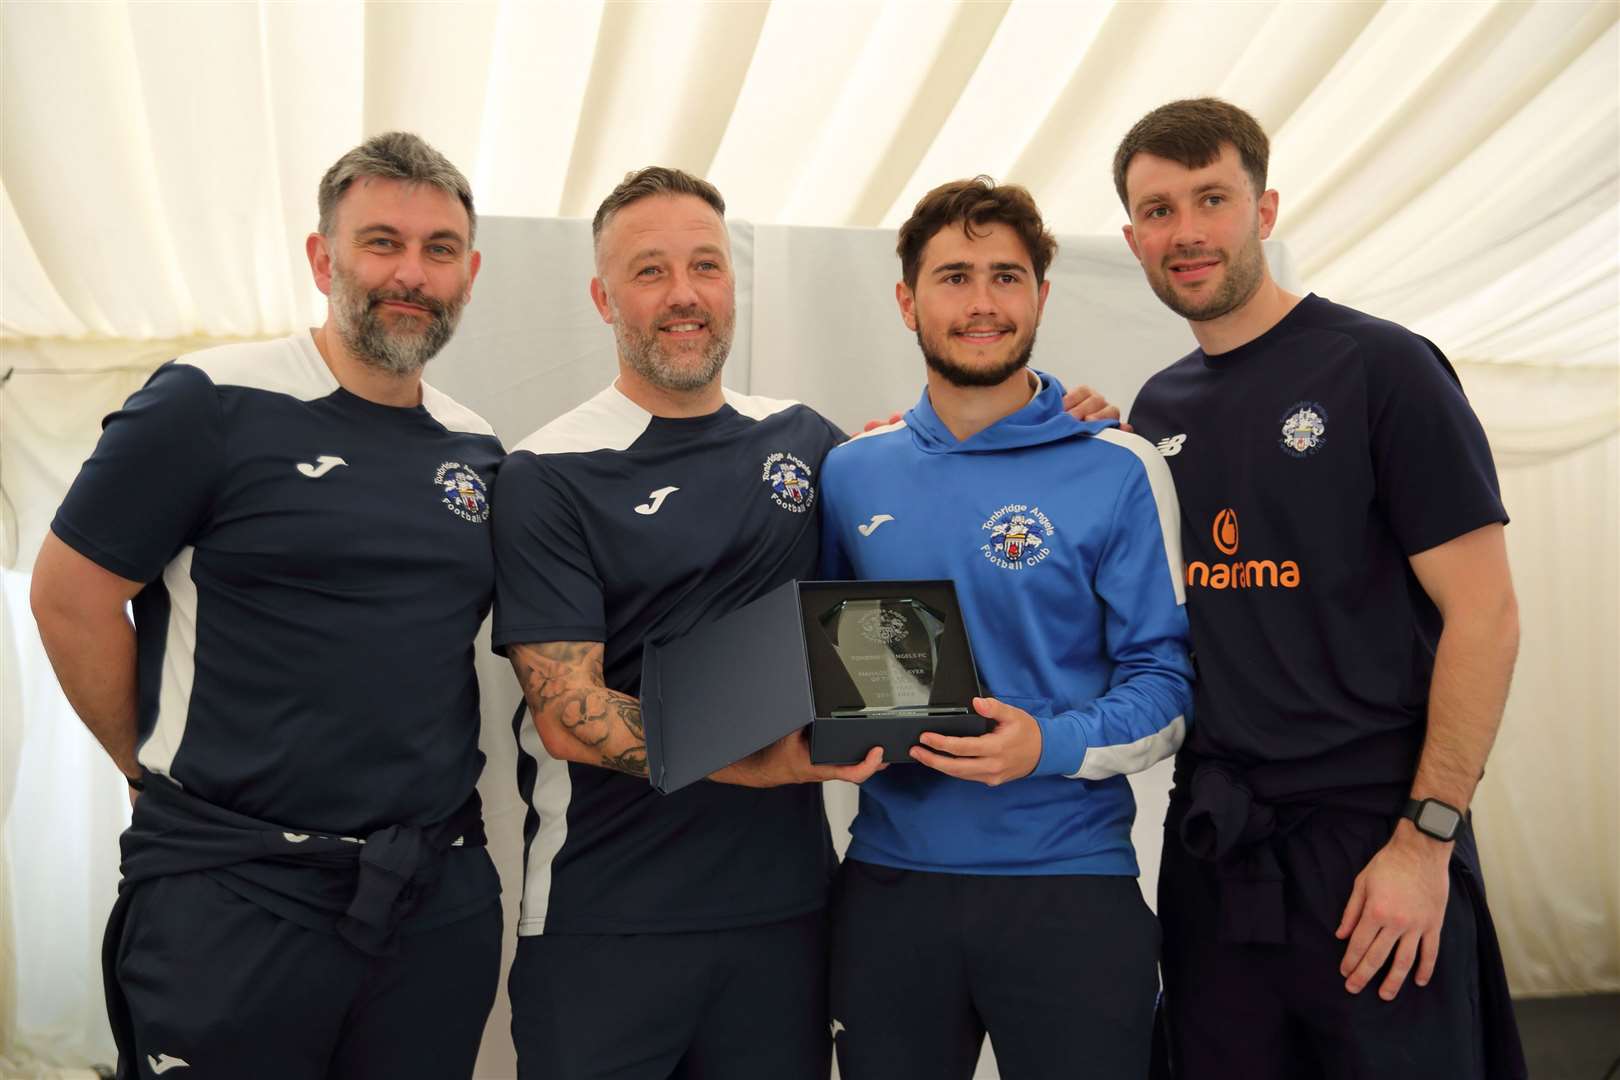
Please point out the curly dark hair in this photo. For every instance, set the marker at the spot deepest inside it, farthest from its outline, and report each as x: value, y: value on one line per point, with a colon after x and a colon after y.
x: 974, y: 204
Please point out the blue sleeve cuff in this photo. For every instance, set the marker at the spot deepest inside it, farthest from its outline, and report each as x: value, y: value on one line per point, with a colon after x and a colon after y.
x: 1063, y: 747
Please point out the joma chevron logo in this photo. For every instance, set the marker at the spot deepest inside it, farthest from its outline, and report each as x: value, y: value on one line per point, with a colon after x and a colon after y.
x: 872, y: 526
x: 162, y: 1063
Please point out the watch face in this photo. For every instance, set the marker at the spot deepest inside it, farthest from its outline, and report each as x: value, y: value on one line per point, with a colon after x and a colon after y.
x: 1438, y: 820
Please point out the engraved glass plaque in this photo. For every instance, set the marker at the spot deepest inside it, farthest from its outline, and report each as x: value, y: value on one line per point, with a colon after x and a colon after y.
x: 890, y: 649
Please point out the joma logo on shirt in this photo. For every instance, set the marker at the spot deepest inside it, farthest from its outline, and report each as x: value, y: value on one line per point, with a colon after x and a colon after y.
x: 1239, y: 573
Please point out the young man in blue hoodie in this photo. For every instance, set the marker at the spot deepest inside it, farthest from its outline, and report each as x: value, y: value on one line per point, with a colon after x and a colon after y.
x: 991, y: 887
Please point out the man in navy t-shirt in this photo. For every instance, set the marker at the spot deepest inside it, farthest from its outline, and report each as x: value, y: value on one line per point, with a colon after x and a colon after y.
x: 1354, y: 627
x: 678, y: 935
x: 301, y: 528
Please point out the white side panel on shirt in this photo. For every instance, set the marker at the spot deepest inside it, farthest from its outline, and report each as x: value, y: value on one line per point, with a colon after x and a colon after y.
x: 179, y: 667
x: 552, y: 790
x: 1164, y: 494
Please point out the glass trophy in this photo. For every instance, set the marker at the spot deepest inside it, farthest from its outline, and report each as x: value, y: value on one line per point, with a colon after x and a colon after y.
x: 890, y: 648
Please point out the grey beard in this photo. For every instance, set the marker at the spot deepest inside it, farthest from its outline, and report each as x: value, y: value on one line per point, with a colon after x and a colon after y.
x: 369, y: 340
x: 646, y: 356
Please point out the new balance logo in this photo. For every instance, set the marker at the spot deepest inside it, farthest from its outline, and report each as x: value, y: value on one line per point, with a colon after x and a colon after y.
x: 162, y: 1063
x: 1170, y: 446
x: 323, y: 465
x: 657, y: 498
x: 872, y: 526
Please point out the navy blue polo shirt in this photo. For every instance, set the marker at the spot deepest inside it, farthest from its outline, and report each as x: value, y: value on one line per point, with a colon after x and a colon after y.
x: 625, y: 528
x: 1311, y: 464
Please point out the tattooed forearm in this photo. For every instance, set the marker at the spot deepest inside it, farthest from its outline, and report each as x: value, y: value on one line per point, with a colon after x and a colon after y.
x: 578, y: 717
x: 633, y: 762
x: 630, y: 716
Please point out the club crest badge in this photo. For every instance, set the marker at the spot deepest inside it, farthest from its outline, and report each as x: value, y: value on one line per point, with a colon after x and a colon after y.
x: 1304, y: 428
x: 883, y: 627
x: 1020, y: 537
x: 463, y: 491
x: 789, y: 480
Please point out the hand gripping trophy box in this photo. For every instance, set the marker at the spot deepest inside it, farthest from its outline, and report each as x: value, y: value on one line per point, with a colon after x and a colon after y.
x: 863, y: 663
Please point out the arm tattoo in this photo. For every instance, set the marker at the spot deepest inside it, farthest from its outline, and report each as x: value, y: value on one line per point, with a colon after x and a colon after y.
x: 562, y: 683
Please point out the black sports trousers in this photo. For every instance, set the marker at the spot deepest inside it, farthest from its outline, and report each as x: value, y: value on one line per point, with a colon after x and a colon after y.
x: 1280, y: 1012
x: 218, y: 987
x: 739, y: 1004
x: 1059, y: 970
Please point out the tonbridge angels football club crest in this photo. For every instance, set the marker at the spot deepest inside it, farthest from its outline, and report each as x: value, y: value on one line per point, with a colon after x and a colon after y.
x: 1020, y: 537
x: 1304, y: 428
x: 789, y: 480
x: 884, y: 626
x: 462, y: 490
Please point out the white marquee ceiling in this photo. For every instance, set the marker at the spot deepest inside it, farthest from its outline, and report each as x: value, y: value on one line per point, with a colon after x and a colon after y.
x: 1455, y: 166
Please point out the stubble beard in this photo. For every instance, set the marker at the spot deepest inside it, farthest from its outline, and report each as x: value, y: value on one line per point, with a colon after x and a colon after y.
x: 648, y: 358
x: 1243, y: 276
x: 367, y: 335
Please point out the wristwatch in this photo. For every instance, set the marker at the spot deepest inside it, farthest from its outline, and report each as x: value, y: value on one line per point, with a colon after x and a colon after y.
x: 1433, y: 818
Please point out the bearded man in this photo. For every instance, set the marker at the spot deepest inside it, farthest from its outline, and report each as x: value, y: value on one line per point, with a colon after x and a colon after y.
x: 991, y: 887
x: 662, y: 935
x: 1355, y: 624
x: 300, y: 526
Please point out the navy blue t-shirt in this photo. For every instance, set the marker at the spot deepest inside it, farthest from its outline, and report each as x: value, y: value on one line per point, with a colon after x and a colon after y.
x: 317, y: 566
x: 1311, y: 463
x: 625, y: 528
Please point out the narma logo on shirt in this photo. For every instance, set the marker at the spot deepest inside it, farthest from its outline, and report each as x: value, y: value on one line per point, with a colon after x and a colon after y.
x: 1239, y: 573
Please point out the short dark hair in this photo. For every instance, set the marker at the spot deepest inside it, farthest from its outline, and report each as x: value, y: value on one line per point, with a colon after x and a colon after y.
x: 976, y: 202
x: 654, y: 180
x: 1191, y: 132
x: 393, y: 155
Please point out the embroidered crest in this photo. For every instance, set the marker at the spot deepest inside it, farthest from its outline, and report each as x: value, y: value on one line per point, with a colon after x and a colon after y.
x: 1020, y: 536
x: 789, y: 480
x: 1304, y: 428
x: 463, y: 491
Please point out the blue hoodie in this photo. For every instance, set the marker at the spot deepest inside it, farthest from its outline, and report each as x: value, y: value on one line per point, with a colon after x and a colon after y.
x: 1063, y: 539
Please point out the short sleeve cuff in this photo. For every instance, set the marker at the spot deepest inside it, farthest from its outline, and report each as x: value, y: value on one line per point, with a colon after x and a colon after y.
x: 1417, y: 541
x: 501, y: 639
x: 109, y: 562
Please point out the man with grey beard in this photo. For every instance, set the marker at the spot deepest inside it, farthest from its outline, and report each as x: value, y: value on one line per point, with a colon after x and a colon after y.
x: 678, y: 935
x: 300, y: 528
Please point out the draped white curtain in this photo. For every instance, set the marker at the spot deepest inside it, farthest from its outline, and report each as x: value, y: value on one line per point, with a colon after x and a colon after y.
x: 1452, y: 166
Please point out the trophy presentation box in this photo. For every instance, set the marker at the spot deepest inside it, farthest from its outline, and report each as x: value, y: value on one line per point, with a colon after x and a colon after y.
x: 863, y: 663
